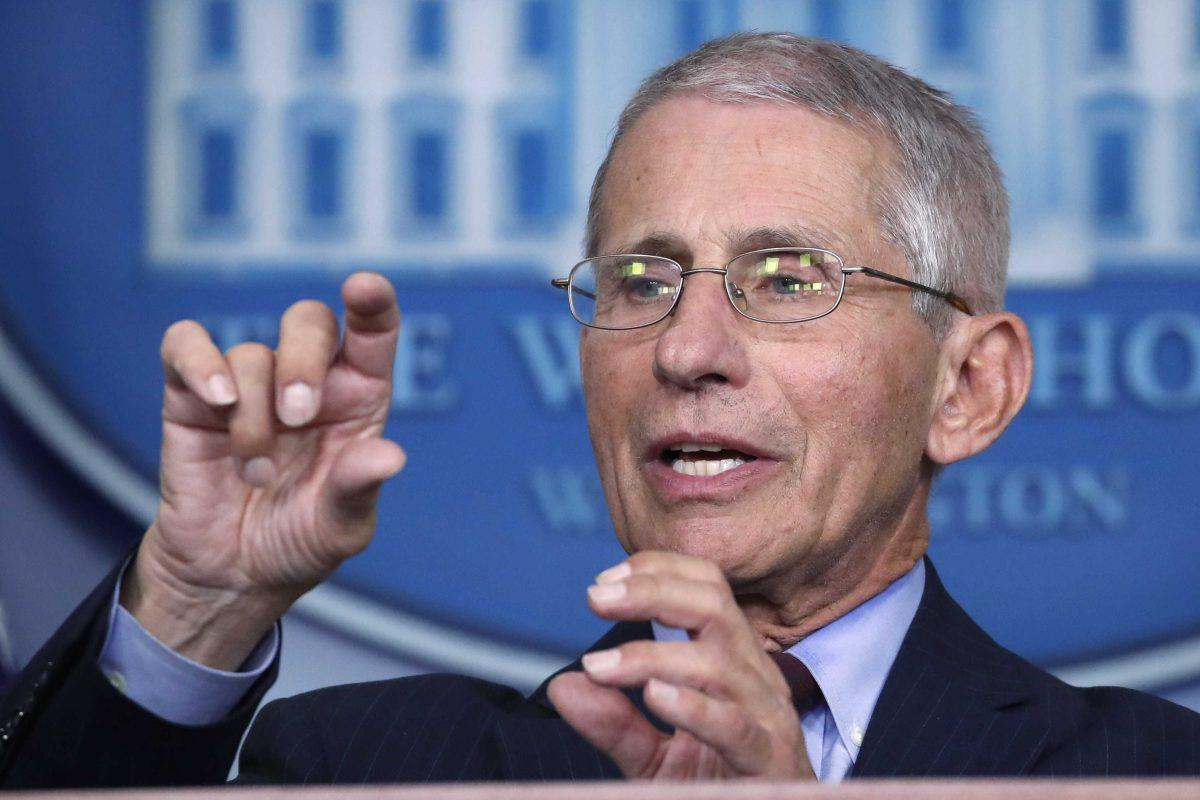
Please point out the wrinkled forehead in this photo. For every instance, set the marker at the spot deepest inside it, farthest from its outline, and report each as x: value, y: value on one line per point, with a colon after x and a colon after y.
x: 735, y: 240
x: 766, y: 174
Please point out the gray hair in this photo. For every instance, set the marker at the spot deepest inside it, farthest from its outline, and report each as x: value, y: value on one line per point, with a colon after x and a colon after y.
x: 947, y: 209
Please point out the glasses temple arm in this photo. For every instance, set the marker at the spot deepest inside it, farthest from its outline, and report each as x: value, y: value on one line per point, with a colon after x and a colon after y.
x: 563, y: 283
x: 949, y: 297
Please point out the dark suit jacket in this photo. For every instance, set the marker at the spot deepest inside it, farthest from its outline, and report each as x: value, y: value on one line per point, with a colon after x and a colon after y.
x: 954, y: 704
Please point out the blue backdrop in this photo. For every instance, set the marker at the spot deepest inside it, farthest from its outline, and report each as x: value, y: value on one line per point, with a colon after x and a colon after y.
x: 217, y: 160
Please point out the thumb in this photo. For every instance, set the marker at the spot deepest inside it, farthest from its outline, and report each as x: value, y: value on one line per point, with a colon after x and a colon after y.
x: 358, y: 472
x: 608, y: 720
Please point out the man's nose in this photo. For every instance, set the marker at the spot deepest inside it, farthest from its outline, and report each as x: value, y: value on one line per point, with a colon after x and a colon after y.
x: 703, y: 342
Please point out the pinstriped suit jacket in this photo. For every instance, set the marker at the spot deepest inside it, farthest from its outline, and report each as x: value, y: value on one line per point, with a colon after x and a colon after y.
x: 955, y: 704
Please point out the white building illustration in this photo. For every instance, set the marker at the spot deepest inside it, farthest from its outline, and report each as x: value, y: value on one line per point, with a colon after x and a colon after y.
x: 413, y: 135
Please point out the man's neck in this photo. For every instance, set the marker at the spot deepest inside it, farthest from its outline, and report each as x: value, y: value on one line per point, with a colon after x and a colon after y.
x: 848, y: 583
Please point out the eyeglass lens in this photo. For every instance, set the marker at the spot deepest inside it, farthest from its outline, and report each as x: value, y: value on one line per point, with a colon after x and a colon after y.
x: 780, y: 285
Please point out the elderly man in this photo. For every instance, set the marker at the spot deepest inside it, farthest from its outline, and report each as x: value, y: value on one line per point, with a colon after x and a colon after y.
x: 794, y: 319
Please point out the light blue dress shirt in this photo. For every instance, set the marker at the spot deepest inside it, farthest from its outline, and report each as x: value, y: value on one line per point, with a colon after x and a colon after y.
x: 850, y: 659
x: 169, y: 685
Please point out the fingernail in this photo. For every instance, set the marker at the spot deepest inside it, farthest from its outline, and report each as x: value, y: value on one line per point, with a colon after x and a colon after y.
x: 602, y: 660
x: 606, y: 592
x: 258, y: 471
x: 298, y: 405
x: 221, y: 391
x: 662, y: 691
x: 617, y: 573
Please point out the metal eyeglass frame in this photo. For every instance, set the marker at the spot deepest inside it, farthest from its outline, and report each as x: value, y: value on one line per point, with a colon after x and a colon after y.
x: 565, y: 284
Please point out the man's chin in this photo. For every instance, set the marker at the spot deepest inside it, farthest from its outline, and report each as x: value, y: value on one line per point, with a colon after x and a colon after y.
x: 719, y: 540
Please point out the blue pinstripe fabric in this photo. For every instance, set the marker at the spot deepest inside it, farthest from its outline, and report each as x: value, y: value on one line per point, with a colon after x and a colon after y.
x: 955, y: 704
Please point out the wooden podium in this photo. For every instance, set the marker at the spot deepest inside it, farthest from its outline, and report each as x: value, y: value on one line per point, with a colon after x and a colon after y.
x: 1000, y: 789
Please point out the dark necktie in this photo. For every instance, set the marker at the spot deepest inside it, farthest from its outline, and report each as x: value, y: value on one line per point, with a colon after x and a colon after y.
x: 805, y: 691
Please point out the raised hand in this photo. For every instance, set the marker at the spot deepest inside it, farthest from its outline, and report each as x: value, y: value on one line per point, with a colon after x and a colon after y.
x: 729, y: 703
x: 271, y: 466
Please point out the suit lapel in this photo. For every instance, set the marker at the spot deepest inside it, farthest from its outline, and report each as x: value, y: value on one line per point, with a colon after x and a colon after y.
x: 953, y: 703
x: 539, y: 745
x: 616, y: 636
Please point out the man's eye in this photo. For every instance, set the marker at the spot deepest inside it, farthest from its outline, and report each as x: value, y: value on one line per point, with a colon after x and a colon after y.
x: 646, y: 288
x: 796, y: 286
x: 786, y: 284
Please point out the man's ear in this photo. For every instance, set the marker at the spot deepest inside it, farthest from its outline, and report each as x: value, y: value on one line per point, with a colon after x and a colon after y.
x: 985, y: 373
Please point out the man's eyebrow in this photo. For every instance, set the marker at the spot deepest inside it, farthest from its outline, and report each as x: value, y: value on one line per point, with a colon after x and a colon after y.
x: 659, y: 244
x: 743, y: 240
x: 738, y: 241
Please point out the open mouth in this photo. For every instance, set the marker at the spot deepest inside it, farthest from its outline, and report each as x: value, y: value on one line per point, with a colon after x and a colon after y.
x: 703, y: 460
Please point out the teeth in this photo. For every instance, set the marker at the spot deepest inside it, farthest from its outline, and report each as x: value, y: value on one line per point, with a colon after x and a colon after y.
x: 694, y: 447
x: 705, y: 468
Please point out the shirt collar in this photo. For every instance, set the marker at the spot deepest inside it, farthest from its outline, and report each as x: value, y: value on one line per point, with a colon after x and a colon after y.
x: 850, y: 657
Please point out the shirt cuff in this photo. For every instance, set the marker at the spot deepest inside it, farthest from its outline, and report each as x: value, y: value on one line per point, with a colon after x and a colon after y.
x: 169, y: 685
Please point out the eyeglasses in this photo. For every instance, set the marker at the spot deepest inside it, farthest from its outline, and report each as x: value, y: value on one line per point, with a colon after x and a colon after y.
x: 780, y: 284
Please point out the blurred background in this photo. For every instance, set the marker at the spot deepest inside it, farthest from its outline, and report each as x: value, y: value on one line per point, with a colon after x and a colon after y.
x: 219, y: 159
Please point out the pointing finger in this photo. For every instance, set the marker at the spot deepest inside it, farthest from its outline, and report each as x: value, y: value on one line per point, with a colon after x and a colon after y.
x: 661, y: 562
x: 372, y: 324
x: 191, y: 360
x: 706, y: 609
x: 308, y: 340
